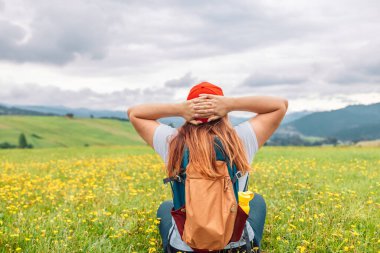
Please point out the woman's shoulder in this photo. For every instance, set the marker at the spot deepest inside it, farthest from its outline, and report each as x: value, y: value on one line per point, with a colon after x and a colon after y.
x: 164, y: 130
x: 248, y: 136
x: 161, y: 138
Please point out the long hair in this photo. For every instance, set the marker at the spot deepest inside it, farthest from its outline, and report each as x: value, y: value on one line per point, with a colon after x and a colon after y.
x: 200, y: 140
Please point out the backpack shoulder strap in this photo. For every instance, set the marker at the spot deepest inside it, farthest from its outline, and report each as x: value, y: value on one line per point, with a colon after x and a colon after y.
x: 246, y: 183
x: 234, y: 173
x: 177, y: 182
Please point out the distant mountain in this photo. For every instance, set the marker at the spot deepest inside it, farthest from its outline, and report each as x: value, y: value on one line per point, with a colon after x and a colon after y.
x: 87, y: 113
x: 289, y: 117
x: 5, y: 110
x: 354, y: 122
x: 179, y: 121
x: 78, y: 112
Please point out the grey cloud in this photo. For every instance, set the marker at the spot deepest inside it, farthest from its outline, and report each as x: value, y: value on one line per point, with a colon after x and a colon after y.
x: 58, y: 33
x: 34, y: 94
x: 313, y: 90
x: 169, y: 29
x: 270, y: 79
x: 360, y: 66
x: 230, y: 27
x: 295, y: 49
x: 10, y: 34
x: 359, y: 76
x: 343, y: 73
x: 186, y: 81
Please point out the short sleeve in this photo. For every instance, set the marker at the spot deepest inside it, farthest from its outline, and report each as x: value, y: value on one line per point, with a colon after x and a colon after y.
x: 161, y: 138
x: 248, y: 136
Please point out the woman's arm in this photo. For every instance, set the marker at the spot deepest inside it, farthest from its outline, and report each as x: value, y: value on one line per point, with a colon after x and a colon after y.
x: 270, y: 111
x: 144, y: 117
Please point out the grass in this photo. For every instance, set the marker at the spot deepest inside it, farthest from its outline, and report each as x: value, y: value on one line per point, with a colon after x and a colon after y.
x: 55, y: 131
x: 319, y: 199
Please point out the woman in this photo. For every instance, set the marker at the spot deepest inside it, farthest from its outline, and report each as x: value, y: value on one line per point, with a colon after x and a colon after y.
x: 205, y: 112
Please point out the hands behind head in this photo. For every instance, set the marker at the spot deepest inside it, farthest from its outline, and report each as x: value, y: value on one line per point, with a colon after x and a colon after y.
x: 205, y: 106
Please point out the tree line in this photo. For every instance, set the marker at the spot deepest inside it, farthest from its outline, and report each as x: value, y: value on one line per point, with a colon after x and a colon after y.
x: 22, y: 143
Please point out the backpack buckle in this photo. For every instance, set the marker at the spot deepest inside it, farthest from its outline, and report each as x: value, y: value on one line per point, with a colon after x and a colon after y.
x: 174, y: 178
x: 237, y: 176
x: 178, y: 178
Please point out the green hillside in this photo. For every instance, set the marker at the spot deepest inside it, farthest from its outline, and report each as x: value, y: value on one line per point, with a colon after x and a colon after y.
x: 56, y: 131
x: 355, y: 122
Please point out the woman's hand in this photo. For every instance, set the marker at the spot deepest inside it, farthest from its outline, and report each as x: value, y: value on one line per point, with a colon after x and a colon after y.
x: 211, y: 106
x: 189, y: 110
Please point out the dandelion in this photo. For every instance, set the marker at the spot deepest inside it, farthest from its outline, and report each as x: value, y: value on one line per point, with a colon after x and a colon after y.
x: 301, y: 249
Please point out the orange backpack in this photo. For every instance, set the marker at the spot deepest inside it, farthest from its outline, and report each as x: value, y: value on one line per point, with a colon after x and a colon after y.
x: 206, y: 210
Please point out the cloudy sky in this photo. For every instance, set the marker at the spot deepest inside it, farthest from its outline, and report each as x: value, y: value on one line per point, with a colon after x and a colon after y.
x: 111, y: 54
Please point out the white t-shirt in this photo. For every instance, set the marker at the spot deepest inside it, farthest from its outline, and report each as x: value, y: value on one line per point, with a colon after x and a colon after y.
x: 161, y: 138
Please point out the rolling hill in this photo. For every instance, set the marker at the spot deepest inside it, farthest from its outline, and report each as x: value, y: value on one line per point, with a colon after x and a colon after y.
x: 354, y: 122
x: 56, y: 131
x: 59, y: 131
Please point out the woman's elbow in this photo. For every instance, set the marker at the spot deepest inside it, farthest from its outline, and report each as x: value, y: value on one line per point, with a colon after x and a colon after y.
x: 285, y: 104
x: 283, y: 107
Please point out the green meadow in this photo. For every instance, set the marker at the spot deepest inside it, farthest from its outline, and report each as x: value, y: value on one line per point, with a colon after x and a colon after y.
x: 92, y: 185
x: 104, y: 199
x: 49, y: 131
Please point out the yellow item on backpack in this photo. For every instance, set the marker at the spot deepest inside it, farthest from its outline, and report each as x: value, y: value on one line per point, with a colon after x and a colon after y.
x: 244, y: 198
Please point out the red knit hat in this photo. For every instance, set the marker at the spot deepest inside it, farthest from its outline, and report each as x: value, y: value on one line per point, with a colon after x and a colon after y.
x: 204, y: 88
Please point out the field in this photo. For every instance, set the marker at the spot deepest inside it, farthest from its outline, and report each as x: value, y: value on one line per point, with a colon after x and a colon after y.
x: 46, y: 132
x: 319, y: 199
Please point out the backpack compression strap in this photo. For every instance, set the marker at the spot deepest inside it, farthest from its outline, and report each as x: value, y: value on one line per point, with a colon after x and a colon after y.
x: 178, y: 178
x: 177, y: 182
x: 234, y: 173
